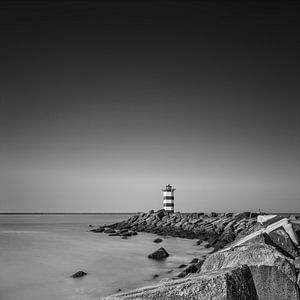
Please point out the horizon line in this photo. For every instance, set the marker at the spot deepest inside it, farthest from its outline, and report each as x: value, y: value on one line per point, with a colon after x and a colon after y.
x: 111, y: 213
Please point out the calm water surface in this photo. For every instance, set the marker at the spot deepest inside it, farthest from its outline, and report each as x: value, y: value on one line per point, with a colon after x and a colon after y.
x: 38, y: 253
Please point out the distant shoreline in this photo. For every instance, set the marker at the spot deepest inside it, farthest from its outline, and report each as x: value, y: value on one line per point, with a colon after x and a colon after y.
x: 40, y: 213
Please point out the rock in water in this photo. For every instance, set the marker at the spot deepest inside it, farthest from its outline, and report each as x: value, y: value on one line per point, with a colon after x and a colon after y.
x: 126, y: 234
x: 189, y: 269
x: 110, y: 230
x: 158, y: 240
x: 194, y: 260
x: 160, y: 253
x: 100, y: 229
x: 79, y: 274
x: 114, y: 234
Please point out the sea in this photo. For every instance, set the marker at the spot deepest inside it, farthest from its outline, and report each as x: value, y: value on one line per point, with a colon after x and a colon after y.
x: 40, y: 252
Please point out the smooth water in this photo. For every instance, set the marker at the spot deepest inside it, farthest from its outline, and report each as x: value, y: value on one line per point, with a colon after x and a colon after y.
x: 38, y: 253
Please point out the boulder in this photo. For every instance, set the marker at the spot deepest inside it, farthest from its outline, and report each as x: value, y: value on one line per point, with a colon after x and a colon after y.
x: 225, y: 238
x: 213, y: 214
x: 189, y: 269
x: 157, y: 240
x: 220, y: 226
x: 79, y: 274
x: 268, y: 219
x: 275, y: 236
x: 160, y: 213
x: 226, y: 284
x: 159, y: 254
x: 199, y: 264
x: 265, y: 263
x: 140, y: 227
x: 213, y: 239
x: 109, y: 230
x: 228, y: 236
x: 114, y: 234
x: 239, y: 229
x: 286, y: 224
x: 240, y: 216
x: 256, y: 227
x: 229, y: 225
x: 99, y: 229
x: 159, y: 224
x: 283, y: 241
x: 126, y: 234
x: 272, y: 284
x: 262, y: 238
x: 165, y: 218
x: 297, y: 263
x: 194, y: 260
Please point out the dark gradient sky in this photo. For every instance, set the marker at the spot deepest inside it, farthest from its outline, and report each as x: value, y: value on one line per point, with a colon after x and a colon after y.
x: 102, y: 103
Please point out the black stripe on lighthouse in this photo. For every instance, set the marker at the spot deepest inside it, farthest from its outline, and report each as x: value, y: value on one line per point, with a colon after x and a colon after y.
x: 169, y: 204
x: 168, y: 197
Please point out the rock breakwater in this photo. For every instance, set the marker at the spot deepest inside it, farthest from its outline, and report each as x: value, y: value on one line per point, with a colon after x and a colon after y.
x: 216, y: 229
x: 261, y: 260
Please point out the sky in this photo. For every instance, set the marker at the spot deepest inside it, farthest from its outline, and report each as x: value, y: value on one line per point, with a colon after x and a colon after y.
x: 103, y: 103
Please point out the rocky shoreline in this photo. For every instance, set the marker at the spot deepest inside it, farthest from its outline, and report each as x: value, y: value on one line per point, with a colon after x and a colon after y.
x: 254, y: 257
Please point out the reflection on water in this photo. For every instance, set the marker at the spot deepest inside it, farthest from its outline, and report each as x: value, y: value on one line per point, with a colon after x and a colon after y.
x: 40, y: 252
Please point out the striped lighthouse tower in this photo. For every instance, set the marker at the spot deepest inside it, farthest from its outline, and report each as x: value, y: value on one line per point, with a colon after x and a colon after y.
x: 168, y: 193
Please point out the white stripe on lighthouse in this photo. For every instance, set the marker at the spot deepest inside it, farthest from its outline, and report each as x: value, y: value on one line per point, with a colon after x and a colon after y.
x: 169, y: 209
x: 168, y: 201
x: 167, y: 194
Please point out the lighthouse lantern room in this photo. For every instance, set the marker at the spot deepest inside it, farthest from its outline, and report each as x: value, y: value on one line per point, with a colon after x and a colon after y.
x: 168, y: 198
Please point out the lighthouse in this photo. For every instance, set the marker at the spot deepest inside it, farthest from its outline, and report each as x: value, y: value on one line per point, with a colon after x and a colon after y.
x: 168, y: 196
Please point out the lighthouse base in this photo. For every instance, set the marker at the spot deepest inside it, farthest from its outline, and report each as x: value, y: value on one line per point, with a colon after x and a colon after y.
x: 169, y: 210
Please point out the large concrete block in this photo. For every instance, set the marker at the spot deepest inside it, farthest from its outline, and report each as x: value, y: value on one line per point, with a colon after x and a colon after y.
x: 285, y: 223
x: 264, y: 219
x: 272, y: 284
x: 288, y: 227
x: 226, y: 284
x: 267, y: 266
x: 278, y: 239
x: 284, y: 242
